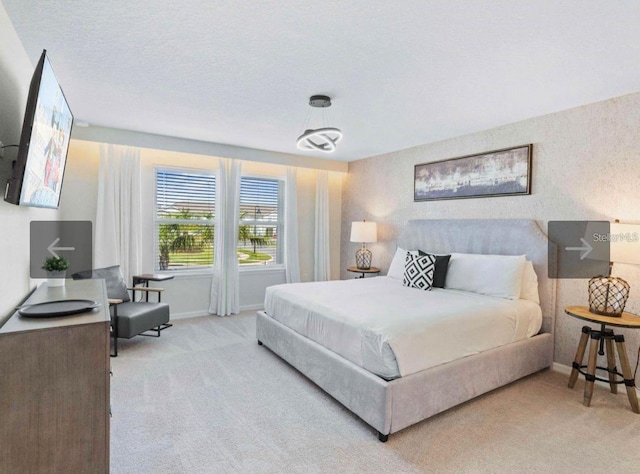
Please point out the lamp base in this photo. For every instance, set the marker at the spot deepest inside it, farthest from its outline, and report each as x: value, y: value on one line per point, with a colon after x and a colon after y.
x: 363, y: 259
x: 608, y: 295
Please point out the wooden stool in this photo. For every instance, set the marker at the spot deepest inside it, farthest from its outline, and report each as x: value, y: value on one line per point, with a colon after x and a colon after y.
x: 601, y: 339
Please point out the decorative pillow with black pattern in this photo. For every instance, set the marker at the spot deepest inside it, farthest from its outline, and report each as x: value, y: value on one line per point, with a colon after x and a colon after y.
x: 442, y: 266
x: 418, y: 271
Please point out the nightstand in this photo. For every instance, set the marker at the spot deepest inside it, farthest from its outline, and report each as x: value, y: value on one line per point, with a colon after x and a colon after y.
x: 603, y: 338
x: 372, y: 270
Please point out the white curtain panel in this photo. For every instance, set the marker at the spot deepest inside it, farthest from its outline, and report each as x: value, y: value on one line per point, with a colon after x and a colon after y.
x: 225, y: 284
x: 291, y: 256
x: 118, y: 233
x: 322, y: 256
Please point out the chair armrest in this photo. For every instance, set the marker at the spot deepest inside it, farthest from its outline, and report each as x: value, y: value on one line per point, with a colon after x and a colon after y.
x: 114, y: 301
x: 144, y: 288
x: 147, y: 290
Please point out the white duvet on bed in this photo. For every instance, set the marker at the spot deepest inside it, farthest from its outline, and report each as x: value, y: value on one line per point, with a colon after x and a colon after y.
x: 391, y: 330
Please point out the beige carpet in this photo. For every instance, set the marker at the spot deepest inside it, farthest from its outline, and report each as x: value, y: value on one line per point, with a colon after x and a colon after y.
x: 205, y: 398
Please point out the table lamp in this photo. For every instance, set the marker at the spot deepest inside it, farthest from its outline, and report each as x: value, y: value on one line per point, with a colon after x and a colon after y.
x: 608, y: 295
x: 364, y: 232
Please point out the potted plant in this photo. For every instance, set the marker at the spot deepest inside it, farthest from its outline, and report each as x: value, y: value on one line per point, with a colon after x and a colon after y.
x: 56, y: 268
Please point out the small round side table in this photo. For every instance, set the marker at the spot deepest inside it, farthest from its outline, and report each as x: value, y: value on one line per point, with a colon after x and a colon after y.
x: 603, y: 337
x: 373, y: 270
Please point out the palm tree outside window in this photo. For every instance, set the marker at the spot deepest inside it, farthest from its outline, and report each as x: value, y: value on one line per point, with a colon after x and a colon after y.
x: 185, y: 220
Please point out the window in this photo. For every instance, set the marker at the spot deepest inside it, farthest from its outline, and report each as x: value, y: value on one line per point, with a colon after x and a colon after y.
x: 184, y: 219
x: 260, y: 227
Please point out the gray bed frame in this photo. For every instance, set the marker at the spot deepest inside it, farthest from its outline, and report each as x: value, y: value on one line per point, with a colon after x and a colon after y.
x: 389, y: 406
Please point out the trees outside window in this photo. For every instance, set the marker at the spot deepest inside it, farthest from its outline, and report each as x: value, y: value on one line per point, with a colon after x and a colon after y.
x: 185, y: 220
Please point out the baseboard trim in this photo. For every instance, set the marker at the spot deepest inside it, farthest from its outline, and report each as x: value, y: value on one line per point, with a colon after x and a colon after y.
x: 563, y: 369
x: 197, y: 314
x: 188, y: 314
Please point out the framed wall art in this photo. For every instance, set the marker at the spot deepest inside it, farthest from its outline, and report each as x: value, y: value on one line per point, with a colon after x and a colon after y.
x: 495, y: 173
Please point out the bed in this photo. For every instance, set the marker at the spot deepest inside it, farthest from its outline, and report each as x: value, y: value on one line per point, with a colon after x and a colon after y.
x: 393, y: 391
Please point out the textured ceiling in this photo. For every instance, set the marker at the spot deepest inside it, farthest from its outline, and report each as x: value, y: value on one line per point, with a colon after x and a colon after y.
x: 401, y: 73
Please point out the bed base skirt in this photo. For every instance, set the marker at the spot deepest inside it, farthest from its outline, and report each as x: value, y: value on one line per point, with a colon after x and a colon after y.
x: 389, y: 406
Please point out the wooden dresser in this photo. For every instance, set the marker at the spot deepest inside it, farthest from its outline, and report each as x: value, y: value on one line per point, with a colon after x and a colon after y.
x: 54, y: 386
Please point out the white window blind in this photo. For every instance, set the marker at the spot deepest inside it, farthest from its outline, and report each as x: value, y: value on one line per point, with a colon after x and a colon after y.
x: 260, y: 227
x: 184, y: 219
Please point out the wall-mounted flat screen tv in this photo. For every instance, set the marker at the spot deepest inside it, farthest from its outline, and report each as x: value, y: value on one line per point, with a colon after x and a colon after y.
x: 42, y: 154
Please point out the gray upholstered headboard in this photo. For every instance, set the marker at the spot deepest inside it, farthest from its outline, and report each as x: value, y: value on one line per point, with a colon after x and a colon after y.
x: 489, y: 236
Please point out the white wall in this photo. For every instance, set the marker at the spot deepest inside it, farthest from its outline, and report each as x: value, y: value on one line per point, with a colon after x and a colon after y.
x: 586, y: 166
x: 188, y: 294
x: 195, y: 147
x: 15, y: 75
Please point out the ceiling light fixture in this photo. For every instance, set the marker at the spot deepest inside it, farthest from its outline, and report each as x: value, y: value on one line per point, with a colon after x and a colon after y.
x: 320, y: 139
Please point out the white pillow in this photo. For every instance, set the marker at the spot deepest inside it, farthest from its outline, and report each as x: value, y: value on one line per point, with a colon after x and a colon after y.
x: 492, y: 275
x: 529, y: 289
x: 396, y: 269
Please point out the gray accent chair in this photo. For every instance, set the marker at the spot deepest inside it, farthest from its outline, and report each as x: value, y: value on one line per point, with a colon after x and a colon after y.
x: 129, y: 318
